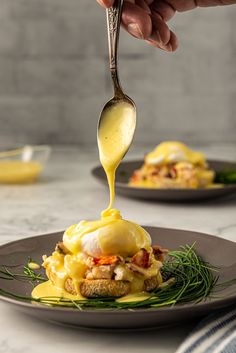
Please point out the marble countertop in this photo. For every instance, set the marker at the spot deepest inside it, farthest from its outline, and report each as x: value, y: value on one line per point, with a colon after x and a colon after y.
x: 67, y: 193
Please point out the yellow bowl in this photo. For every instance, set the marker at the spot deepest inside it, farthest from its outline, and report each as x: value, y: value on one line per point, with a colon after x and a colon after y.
x: 23, y: 165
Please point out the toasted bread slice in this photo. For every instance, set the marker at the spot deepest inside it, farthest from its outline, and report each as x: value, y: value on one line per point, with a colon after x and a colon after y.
x: 150, y: 284
x: 99, y: 288
x: 107, y: 287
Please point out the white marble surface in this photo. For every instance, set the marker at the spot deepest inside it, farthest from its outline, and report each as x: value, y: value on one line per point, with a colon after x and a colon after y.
x: 66, y: 194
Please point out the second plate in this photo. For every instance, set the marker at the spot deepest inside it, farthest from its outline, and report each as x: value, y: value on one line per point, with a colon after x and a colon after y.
x: 126, y: 169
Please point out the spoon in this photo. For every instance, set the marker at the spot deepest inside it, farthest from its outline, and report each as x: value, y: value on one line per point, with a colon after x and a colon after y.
x: 118, y: 117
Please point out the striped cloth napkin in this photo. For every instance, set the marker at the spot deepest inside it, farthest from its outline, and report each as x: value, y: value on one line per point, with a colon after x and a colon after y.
x: 215, y: 334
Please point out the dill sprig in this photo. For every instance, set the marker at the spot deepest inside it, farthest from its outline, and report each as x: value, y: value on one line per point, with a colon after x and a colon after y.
x: 225, y: 177
x: 27, y: 274
x: 187, y: 278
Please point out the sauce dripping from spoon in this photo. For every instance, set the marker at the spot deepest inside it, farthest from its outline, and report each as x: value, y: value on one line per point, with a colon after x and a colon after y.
x: 115, y: 135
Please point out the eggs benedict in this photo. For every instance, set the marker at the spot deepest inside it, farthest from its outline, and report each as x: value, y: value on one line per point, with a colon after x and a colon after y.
x: 173, y: 165
x: 111, y: 257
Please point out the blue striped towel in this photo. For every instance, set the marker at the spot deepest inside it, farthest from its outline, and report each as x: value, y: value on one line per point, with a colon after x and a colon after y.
x: 215, y: 334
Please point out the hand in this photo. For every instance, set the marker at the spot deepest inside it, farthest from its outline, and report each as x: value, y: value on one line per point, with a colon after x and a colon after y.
x: 146, y: 19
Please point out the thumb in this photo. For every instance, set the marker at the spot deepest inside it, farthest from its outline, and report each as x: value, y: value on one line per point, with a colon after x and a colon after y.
x: 106, y: 3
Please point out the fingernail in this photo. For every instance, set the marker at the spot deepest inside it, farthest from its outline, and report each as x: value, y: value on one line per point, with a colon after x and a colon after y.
x: 155, y: 37
x: 167, y: 47
x: 161, y: 46
x: 134, y: 29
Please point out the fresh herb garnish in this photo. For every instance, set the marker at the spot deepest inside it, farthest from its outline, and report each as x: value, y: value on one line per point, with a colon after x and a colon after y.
x: 27, y: 274
x: 225, y: 177
x: 187, y: 278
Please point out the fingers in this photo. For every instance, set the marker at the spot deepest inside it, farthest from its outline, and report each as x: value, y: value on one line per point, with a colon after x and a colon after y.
x: 160, y: 27
x: 136, y: 21
x: 205, y: 3
x: 135, y: 17
x: 149, y: 1
x: 182, y: 5
x: 143, y: 5
x: 145, y: 19
x: 162, y: 37
x: 106, y: 3
x: 171, y: 46
x: 165, y: 10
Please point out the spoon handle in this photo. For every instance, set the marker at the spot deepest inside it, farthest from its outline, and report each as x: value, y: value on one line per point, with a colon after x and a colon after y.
x: 113, y: 29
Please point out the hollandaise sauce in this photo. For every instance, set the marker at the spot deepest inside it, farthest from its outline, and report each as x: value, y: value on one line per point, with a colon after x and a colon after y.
x: 115, y: 135
x: 19, y: 172
x: 172, y: 152
x: 111, y: 235
x: 48, y: 290
x: 134, y: 297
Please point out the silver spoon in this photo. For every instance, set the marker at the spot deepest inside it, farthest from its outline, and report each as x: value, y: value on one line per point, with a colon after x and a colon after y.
x: 113, y: 29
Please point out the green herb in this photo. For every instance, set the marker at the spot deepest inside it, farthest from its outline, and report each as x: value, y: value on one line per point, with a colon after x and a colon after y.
x: 27, y: 274
x: 188, y: 278
x: 226, y: 177
x: 32, y: 274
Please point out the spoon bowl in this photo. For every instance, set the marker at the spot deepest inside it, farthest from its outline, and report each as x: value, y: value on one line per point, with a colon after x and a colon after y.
x: 117, y: 125
x: 117, y: 101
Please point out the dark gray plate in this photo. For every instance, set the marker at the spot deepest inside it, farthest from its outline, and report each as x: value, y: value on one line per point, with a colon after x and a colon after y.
x: 126, y: 169
x: 215, y: 250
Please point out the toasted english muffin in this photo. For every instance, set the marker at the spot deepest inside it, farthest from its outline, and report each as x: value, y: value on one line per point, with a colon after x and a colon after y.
x: 107, y: 287
x: 99, y: 288
x: 150, y: 284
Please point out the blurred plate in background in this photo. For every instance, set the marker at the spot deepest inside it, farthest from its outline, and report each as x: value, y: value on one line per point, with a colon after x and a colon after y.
x: 126, y: 169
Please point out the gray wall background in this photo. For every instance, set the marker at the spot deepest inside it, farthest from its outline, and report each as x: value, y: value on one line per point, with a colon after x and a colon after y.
x: 54, y: 78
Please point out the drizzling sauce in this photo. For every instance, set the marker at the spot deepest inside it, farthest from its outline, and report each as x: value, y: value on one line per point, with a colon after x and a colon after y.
x: 114, y: 138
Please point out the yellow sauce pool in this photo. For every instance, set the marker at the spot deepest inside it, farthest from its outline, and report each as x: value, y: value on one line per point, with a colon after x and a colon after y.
x: 19, y: 172
x: 47, y: 289
x: 134, y: 297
